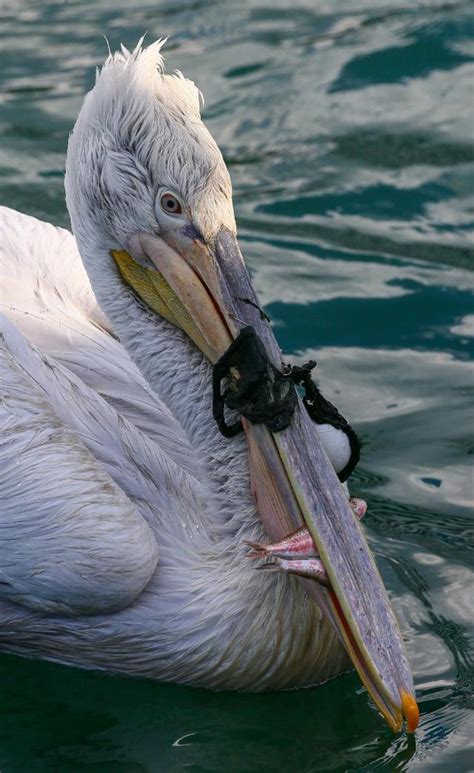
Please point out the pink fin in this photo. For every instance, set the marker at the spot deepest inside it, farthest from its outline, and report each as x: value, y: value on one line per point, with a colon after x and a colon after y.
x: 298, y: 544
x: 311, y: 568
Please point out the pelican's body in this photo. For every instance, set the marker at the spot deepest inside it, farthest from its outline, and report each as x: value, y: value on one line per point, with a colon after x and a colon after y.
x: 167, y: 498
x: 123, y: 509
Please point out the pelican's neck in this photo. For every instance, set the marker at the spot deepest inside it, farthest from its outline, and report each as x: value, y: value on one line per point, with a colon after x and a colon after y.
x: 182, y: 378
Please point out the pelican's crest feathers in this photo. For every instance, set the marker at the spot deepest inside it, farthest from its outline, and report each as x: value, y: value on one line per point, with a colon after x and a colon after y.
x: 139, y: 131
x: 144, y: 68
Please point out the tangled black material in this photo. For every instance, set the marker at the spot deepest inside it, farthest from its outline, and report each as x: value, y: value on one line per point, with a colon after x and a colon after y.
x: 322, y: 411
x: 257, y: 390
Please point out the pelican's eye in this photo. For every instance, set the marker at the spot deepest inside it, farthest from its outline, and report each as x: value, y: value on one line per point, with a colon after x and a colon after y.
x: 170, y: 204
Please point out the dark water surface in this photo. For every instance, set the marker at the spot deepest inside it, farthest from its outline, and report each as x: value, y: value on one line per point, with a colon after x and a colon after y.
x: 347, y: 127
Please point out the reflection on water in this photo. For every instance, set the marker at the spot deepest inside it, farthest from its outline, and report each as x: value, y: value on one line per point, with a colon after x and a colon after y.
x: 348, y: 131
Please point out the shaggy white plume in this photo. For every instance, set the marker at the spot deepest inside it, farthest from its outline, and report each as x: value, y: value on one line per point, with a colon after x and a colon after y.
x: 144, y: 67
x: 139, y: 132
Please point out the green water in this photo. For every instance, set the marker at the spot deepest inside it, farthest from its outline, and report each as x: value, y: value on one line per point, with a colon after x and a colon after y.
x: 347, y: 127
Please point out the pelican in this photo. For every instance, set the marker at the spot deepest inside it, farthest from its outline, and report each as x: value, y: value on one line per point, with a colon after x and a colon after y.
x: 125, y: 504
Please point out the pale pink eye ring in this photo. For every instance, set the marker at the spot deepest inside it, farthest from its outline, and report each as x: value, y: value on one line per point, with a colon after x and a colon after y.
x: 170, y: 204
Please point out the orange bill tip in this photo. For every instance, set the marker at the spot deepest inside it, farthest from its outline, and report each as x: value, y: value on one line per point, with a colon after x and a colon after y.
x: 410, y: 710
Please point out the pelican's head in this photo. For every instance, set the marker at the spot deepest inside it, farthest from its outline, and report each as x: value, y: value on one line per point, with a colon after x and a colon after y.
x: 144, y: 174
x: 148, y: 189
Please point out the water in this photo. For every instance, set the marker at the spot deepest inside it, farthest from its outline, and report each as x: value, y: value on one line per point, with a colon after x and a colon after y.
x: 348, y: 130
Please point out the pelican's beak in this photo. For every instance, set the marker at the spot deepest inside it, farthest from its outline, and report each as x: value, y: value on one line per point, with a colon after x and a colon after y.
x: 206, y: 290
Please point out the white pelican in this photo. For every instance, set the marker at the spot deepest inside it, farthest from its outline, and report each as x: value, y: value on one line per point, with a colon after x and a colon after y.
x: 124, y: 508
